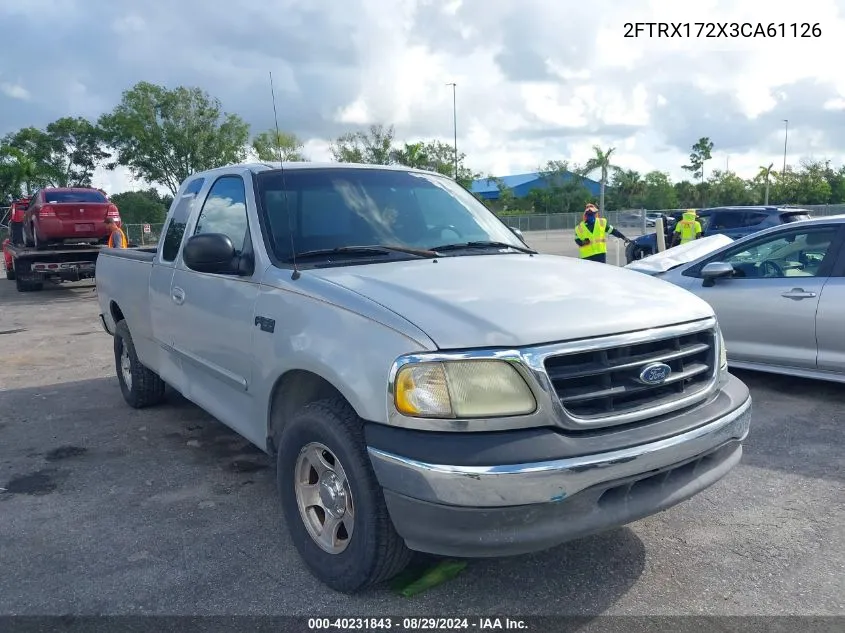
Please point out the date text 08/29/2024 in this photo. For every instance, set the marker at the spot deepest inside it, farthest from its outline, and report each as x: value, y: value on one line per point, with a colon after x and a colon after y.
x: 722, y: 29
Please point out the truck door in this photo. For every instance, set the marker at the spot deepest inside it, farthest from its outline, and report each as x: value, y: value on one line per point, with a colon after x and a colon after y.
x: 214, y: 314
x: 162, y: 309
x: 767, y: 310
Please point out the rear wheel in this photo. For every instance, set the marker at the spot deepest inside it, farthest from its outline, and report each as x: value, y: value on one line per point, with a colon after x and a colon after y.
x: 141, y: 387
x: 10, y: 273
x: 332, y: 501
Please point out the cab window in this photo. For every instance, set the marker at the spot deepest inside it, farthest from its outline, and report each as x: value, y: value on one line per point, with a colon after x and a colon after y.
x: 224, y: 211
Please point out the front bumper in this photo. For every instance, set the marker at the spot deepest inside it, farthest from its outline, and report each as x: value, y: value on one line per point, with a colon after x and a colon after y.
x: 524, y: 507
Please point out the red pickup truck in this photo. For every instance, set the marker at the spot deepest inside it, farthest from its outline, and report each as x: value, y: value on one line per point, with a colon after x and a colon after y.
x: 16, y: 218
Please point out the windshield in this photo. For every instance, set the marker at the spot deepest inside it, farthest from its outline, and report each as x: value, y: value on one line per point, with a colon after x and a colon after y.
x: 316, y: 209
x: 62, y: 197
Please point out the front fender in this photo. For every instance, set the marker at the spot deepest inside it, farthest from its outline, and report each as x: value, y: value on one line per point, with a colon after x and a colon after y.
x: 354, y: 353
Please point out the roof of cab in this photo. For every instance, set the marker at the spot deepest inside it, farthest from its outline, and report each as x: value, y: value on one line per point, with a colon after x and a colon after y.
x: 269, y: 166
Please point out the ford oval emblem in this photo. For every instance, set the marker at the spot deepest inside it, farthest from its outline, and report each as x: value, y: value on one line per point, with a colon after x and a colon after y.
x: 655, y: 373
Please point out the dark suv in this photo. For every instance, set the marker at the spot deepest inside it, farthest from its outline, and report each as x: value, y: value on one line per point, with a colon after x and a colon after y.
x: 735, y: 222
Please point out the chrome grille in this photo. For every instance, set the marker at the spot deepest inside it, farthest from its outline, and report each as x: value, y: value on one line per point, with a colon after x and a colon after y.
x: 605, y: 382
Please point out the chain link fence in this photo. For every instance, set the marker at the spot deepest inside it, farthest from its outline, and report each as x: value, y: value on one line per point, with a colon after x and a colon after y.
x: 633, y: 222
x: 143, y: 234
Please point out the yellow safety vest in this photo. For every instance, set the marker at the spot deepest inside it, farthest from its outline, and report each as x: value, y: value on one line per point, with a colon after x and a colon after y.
x: 688, y: 227
x: 123, y: 243
x: 598, y: 238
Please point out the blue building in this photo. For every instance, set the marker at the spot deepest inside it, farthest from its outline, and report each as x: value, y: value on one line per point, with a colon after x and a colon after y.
x: 521, y: 184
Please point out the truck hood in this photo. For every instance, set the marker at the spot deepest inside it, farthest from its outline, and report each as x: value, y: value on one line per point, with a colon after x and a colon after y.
x: 679, y: 255
x: 512, y: 300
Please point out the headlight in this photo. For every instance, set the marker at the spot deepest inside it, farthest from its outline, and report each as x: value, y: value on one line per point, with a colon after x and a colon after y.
x: 462, y: 389
x: 723, y: 353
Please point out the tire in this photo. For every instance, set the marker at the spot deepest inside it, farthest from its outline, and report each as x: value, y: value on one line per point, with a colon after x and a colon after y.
x: 10, y: 274
x: 373, y: 552
x: 16, y: 233
x: 27, y: 239
x: 142, y: 387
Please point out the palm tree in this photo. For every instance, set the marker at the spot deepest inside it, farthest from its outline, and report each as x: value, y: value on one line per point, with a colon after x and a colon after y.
x: 765, y: 174
x: 601, y: 161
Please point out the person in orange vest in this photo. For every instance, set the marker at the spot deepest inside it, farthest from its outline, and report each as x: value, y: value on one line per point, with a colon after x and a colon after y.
x: 687, y: 229
x: 117, y: 238
x: 591, y: 235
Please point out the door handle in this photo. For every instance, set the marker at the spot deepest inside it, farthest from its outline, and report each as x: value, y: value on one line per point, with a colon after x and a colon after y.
x: 178, y: 296
x: 798, y: 293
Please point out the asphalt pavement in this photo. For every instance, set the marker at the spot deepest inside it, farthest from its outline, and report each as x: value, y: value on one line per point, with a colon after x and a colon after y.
x: 109, y: 510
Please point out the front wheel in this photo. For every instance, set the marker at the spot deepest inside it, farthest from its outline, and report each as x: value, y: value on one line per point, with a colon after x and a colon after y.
x: 332, y: 501
x: 141, y: 387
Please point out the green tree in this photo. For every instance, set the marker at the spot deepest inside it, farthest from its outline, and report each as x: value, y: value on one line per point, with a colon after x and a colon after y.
x: 163, y: 136
x: 75, y: 150
x: 601, y: 163
x: 813, y: 186
x: 726, y: 188
x: 269, y: 145
x: 627, y: 189
x: 18, y: 173
x: 659, y: 192
x: 435, y: 156
x: 374, y: 146
x: 142, y: 207
x: 686, y: 194
x: 702, y: 151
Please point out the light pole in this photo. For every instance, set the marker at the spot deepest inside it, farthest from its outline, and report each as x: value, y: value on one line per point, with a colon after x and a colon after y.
x: 455, y: 122
x: 785, y: 137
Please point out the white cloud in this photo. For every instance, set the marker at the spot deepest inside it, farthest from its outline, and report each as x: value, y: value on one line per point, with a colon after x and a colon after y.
x: 15, y: 91
x: 535, y: 80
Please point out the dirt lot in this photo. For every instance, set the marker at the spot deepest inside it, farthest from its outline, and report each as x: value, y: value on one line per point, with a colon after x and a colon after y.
x: 105, y: 509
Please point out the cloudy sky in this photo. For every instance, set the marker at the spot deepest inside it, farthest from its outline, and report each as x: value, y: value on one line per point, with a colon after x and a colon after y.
x: 536, y: 80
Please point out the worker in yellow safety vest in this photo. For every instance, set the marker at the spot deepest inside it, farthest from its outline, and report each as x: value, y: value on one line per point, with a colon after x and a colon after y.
x: 591, y: 235
x: 117, y: 238
x: 687, y: 229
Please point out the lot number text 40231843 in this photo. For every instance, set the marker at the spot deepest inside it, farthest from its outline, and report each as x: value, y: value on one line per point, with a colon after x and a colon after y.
x: 721, y: 29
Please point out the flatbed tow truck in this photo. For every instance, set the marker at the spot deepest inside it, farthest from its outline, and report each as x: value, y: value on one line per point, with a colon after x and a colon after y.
x: 29, y: 268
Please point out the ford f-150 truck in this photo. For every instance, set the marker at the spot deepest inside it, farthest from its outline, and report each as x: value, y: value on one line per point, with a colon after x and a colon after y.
x: 424, y: 379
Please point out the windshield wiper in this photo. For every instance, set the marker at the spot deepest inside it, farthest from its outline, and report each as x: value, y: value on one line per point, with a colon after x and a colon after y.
x: 457, y: 247
x: 363, y: 250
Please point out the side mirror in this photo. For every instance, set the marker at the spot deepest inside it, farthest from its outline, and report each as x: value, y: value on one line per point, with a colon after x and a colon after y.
x: 518, y: 233
x: 211, y: 253
x: 714, y: 270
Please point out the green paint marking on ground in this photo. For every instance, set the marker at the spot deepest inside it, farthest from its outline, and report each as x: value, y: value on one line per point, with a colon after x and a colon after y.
x: 415, y: 580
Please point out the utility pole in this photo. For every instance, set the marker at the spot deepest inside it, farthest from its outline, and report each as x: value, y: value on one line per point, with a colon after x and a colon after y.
x: 785, y: 137
x: 455, y: 122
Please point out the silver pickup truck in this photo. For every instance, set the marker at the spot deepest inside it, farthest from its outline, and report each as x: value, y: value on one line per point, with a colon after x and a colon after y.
x: 424, y: 379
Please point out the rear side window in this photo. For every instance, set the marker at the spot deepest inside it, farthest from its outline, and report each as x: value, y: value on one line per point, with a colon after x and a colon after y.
x: 194, y: 186
x: 176, y: 228
x: 753, y: 219
x: 63, y: 197
x: 794, y: 217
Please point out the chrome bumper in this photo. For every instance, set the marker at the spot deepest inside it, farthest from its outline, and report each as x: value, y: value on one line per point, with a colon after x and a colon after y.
x: 551, y: 481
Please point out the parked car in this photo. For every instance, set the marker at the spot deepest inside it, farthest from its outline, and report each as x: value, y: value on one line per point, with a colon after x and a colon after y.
x: 425, y: 380
x: 68, y: 214
x: 779, y: 295
x: 735, y: 222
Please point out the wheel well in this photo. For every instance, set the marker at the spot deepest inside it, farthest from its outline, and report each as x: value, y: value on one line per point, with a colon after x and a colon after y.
x: 291, y: 392
x: 116, y: 312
